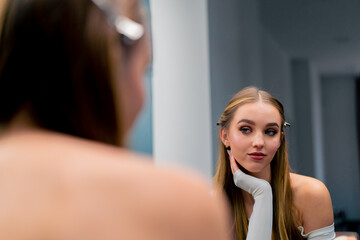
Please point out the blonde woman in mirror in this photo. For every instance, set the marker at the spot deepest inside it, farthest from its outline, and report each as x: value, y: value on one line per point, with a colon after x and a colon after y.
x: 253, y: 144
x: 71, y: 86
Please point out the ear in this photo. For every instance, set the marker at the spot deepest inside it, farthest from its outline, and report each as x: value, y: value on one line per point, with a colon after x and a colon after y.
x: 224, y: 137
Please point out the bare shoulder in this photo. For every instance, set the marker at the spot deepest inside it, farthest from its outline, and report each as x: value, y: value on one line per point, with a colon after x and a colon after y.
x: 177, y: 204
x: 313, y: 201
x: 168, y: 203
x: 181, y: 201
x: 103, y: 192
x: 304, y: 186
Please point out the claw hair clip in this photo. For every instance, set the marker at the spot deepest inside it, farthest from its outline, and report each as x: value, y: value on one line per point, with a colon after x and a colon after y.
x: 129, y: 30
x: 286, y: 124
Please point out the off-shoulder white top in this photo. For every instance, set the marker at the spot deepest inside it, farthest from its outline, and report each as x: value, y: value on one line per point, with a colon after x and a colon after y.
x: 325, y: 233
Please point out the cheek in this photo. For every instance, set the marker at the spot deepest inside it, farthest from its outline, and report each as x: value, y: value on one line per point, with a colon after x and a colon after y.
x: 237, y: 141
x: 129, y: 90
x: 139, y: 63
x: 239, y: 146
x: 274, y: 145
x: 135, y: 83
x: 134, y: 79
x: 133, y: 93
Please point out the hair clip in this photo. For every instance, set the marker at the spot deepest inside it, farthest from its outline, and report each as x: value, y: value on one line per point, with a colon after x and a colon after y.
x: 130, y: 30
x: 286, y: 124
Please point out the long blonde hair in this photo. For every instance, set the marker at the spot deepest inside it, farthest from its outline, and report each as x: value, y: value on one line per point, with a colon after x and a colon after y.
x: 285, y: 215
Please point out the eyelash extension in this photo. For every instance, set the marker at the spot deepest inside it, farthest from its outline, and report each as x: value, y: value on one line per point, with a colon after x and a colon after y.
x: 271, y: 130
x: 247, y: 130
x: 242, y: 129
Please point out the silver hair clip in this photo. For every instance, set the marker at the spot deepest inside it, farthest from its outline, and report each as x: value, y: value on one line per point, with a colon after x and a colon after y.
x: 286, y: 124
x: 130, y: 30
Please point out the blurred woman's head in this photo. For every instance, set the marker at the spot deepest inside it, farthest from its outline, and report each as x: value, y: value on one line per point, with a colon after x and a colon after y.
x: 66, y: 65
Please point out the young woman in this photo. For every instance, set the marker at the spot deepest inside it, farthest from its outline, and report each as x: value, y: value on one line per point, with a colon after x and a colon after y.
x: 70, y: 89
x: 253, y: 144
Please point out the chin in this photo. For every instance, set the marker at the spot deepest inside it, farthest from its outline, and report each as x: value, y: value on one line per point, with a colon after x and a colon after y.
x: 251, y: 168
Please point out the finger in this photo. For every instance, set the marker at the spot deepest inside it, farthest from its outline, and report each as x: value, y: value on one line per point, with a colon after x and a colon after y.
x: 233, y: 164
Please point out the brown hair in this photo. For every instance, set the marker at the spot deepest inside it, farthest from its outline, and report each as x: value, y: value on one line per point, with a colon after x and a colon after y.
x: 285, y: 215
x: 55, y: 61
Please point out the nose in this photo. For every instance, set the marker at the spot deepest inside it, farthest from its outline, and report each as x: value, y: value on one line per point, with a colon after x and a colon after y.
x: 258, y: 141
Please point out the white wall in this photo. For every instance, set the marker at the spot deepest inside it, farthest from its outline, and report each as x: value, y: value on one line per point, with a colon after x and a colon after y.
x: 186, y: 102
x: 316, y: 114
x: 340, y: 143
x: 235, y: 54
x: 276, y: 70
x: 181, y: 84
x: 302, y: 126
x: 307, y: 130
x: 250, y: 42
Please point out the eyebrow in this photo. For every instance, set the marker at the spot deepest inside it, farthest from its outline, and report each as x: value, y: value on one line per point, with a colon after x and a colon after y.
x: 246, y: 121
x: 253, y: 123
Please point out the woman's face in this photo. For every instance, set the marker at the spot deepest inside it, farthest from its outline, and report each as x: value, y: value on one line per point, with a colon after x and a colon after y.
x: 129, y: 74
x: 133, y: 76
x: 254, y: 135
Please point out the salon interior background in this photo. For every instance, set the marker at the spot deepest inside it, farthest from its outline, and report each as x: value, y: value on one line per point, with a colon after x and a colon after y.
x: 307, y: 53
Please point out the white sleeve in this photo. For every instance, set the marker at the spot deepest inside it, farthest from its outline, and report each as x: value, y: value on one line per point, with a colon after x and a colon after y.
x: 325, y: 233
x: 260, y: 225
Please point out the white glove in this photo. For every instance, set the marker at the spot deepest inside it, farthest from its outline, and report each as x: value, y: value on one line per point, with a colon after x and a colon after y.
x: 260, y: 225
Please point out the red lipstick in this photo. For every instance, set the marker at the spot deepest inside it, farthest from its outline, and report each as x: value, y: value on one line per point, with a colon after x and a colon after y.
x: 257, y: 155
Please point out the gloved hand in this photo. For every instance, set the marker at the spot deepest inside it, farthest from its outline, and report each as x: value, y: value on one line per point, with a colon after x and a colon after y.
x: 260, y: 224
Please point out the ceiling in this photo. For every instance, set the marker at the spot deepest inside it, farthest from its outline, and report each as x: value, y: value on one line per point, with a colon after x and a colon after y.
x: 325, y: 31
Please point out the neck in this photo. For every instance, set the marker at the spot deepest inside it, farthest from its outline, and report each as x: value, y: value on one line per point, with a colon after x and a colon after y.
x: 265, y: 174
x: 21, y: 122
